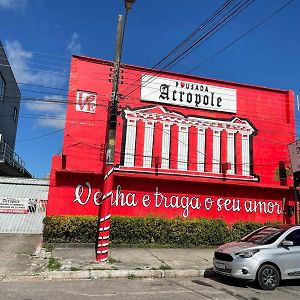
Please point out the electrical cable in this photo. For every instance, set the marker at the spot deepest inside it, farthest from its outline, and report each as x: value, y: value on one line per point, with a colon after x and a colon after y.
x: 236, y: 11
x: 242, y: 36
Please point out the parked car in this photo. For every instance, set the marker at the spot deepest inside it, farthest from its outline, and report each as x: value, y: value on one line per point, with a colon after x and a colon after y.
x: 267, y: 255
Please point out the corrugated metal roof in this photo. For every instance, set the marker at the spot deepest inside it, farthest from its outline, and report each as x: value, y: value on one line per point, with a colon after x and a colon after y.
x: 22, y: 180
x: 24, y: 187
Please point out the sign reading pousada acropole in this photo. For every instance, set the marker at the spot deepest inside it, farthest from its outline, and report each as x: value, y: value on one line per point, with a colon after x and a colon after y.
x: 188, y: 94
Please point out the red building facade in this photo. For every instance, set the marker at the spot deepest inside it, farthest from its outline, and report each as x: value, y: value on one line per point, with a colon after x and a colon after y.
x: 185, y: 146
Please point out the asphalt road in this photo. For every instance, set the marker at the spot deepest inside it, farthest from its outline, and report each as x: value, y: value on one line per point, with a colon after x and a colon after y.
x: 175, y: 288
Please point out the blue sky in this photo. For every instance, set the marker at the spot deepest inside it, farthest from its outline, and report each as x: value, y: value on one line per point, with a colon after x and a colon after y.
x: 40, y: 36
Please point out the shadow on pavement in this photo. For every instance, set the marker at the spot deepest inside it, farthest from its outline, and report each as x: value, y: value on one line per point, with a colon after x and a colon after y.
x: 292, y: 282
x: 209, y: 273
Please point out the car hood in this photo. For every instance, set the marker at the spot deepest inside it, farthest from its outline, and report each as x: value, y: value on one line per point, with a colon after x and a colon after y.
x: 234, y: 247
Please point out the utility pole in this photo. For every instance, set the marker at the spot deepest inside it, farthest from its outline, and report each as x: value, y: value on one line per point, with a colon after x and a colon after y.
x: 105, y: 207
x: 114, y: 103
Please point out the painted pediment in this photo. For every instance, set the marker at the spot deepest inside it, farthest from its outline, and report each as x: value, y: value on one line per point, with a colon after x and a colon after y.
x: 154, y: 110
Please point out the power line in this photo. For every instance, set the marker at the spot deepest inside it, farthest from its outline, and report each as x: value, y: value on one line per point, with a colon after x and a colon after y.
x: 44, y: 59
x: 201, y: 27
x: 42, y: 53
x: 104, y: 79
x: 40, y: 70
x: 47, y: 116
x: 236, y: 10
x: 41, y: 136
x: 242, y: 36
x: 241, y: 113
x: 188, y: 38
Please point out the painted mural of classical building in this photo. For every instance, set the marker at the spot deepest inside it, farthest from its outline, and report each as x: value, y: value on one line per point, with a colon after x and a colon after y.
x: 194, y: 161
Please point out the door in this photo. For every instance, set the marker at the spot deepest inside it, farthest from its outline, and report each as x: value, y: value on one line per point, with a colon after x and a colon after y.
x: 291, y: 256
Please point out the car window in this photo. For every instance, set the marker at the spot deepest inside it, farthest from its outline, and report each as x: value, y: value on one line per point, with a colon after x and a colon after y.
x: 294, y: 237
x: 267, y: 235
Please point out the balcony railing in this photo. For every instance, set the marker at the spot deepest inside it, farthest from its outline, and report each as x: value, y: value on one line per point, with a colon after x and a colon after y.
x: 7, y: 155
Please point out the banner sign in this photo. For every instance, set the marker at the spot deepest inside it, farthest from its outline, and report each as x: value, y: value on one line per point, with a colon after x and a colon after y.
x: 294, y: 151
x: 188, y: 94
x: 17, y: 205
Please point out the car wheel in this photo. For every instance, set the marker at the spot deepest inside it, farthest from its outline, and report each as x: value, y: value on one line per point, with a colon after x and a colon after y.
x: 268, y: 277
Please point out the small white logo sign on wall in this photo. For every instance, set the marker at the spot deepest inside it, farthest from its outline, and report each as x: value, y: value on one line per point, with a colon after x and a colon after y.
x: 86, y: 101
x: 188, y: 94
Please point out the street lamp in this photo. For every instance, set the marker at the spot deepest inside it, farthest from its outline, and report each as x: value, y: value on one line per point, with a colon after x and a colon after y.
x: 110, y: 153
x: 128, y: 4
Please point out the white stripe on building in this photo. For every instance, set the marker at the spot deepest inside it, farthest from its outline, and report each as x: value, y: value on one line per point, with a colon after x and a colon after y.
x: 231, y: 150
x: 183, y: 147
x: 165, y: 151
x: 216, y: 161
x: 148, y: 144
x: 130, y: 143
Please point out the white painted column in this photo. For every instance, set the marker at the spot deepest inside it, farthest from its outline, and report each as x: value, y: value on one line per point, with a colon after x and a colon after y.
x: 201, y: 149
x: 183, y: 147
x: 148, y: 144
x: 245, y: 153
x: 216, y: 161
x: 231, y: 149
x: 130, y: 143
x: 165, y: 151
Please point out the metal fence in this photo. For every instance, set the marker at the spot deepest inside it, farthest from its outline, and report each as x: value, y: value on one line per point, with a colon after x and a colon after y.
x: 23, y: 205
x: 30, y: 222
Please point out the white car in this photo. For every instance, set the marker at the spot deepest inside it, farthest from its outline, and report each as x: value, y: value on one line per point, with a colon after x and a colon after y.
x: 267, y: 255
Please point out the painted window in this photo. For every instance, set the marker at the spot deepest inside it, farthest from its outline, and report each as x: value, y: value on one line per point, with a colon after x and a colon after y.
x: 2, y: 87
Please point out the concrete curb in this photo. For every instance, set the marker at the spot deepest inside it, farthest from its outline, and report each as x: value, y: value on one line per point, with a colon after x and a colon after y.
x: 97, y: 274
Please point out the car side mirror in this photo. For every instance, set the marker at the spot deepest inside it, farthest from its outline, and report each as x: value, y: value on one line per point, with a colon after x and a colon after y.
x: 286, y: 243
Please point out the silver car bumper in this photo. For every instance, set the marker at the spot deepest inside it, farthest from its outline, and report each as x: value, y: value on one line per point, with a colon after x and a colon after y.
x: 241, y: 268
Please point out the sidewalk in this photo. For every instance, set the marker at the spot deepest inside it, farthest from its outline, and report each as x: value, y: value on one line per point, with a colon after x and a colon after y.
x: 25, y: 259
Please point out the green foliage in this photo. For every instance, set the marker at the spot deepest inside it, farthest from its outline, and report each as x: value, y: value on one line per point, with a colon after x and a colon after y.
x: 173, y: 232
x: 48, y: 247
x: 53, y: 264
x: 78, y: 229
x: 111, y: 260
x: 241, y: 229
x: 146, y: 231
x: 288, y: 170
x: 165, y: 267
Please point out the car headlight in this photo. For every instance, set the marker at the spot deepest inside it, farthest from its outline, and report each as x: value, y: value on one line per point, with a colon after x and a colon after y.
x: 246, y: 253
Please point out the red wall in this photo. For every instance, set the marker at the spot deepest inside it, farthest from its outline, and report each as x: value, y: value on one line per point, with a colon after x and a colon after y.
x: 267, y: 110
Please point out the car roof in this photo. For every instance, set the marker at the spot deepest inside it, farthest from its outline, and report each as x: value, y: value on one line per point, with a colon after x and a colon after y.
x: 285, y: 226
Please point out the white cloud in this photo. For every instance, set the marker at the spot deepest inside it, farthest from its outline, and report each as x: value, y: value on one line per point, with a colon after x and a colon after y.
x: 74, y: 45
x: 20, y: 62
x: 53, y: 108
x: 53, y: 112
x: 13, y: 4
x: 57, y: 123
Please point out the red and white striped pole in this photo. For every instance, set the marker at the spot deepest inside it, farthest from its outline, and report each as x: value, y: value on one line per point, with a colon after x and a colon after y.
x: 104, y: 216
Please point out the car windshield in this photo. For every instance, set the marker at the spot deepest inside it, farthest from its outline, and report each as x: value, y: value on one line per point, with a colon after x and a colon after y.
x: 264, y: 236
